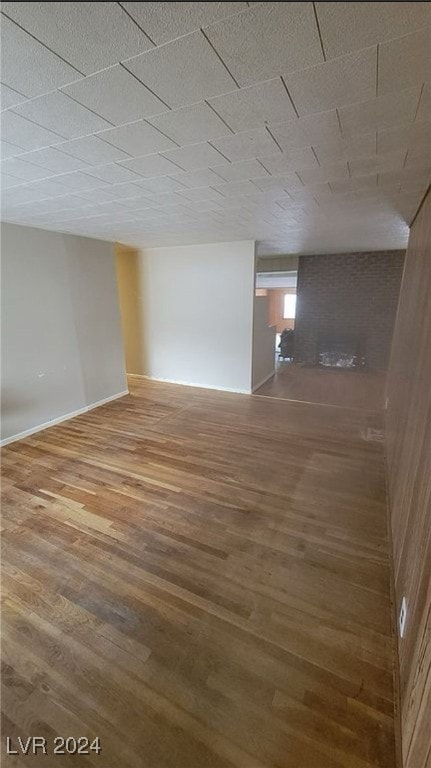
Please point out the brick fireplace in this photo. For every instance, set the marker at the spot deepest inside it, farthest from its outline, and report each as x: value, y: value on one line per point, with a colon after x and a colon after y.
x: 351, y: 299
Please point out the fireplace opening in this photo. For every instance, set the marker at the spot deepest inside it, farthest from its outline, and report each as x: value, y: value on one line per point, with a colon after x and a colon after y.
x: 341, y: 351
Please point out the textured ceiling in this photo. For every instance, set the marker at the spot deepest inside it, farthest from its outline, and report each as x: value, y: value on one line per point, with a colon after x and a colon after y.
x: 304, y: 126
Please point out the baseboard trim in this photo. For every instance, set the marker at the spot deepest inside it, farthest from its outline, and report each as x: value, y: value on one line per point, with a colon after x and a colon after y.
x: 60, y: 419
x: 263, y: 381
x: 190, y: 384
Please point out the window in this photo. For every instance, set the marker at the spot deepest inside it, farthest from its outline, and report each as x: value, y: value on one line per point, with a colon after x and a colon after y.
x: 289, y: 306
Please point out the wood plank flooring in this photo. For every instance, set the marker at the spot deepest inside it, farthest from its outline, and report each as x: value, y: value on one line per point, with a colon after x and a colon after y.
x: 201, y: 580
x: 349, y: 389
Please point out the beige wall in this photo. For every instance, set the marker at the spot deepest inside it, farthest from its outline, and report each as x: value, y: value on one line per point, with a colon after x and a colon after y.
x: 187, y: 313
x: 61, y: 338
x: 128, y: 265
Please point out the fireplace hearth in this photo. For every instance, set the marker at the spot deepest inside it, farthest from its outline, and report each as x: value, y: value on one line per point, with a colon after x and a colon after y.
x: 340, y: 351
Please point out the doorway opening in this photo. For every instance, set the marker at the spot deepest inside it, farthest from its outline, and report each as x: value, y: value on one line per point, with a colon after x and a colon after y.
x: 280, y: 290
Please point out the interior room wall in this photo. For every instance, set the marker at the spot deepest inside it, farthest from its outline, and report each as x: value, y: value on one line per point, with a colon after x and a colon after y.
x: 408, y: 447
x: 354, y: 294
x: 192, y: 309
x: 263, y: 343
x: 128, y: 264
x: 277, y: 263
x: 276, y: 309
x: 62, y: 348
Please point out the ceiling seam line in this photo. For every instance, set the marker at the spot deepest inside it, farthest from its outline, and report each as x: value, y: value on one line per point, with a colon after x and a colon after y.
x: 33, y: 122
x: 289, y: 96
x: 220, y: 152
x: 274, y: 139
x: 419, y: 102
x: 147, y: 121
x: 137, y: 25
x: 220, y: 58
x: 145, y: 86
x: 72, y: 98
x: 377, y: 69
x: 319, y: 31
x: 219, y: 116
x: 44, y: 45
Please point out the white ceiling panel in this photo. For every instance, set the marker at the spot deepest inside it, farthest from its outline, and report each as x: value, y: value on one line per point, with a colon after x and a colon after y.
x: 203, y: 178
x: 53, y: 160
x: 113, y: 173
x: 9, y: 150
x: 159, y: 184
x: 416, y: 136
x: 247, y: 145
x: 58, y: 113
x: 245, y: 169
x: 291, y: 160
x: 21, y: 194
x: 20, y: 169
x: 9, y: 97
x: 165, y: 199
x: 330, y: 172
x: 26, y: 134
x: 377, y: 164
x: 363, y: 145
x: 405, y: 62
x: 141, y: 203
x: 267, y: 40
x: 182, y: 72
x: 307, y: 131
x: 196, y: 156
x: 52, y: 187
x: 76, y: 181
x: 352, y: 185
x: 169, y: 123
x: 418, y: 158
x: 137, y: 139
x: 27, y: 66
x: 202, y: 206
x: 236, y: 188
x: 166, y: 21
x: 8, y: 181
x: 335, y: 83
x: 190, y: 125
x: 92, y: 150
x: 120, y: 191
x: 274, y: 183
x: 381, y: 112
x: 201, y: 193
x: 151, y: 165
x: 347, y: 27
x: 116, y: 95
x: 255, y: 106
x: 90, y: 36
x: 96, y: 196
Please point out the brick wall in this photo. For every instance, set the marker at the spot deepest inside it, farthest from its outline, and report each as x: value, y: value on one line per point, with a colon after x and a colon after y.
x: 348, y: 294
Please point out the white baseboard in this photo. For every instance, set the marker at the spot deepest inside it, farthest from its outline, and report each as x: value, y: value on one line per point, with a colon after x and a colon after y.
x: 262, y: 382
x: 59, y: 419
x: 190, y: 384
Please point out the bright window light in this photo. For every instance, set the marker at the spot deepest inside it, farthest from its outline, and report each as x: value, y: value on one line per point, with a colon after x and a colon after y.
x: 289, y: 306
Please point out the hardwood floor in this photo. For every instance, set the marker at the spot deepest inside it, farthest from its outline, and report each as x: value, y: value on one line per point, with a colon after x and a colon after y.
x: 201, y: 580
x: 343, y: 388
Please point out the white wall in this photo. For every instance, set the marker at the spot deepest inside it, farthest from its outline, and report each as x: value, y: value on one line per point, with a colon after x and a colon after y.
x: 263, y: 343
x: 195, y: 313
x: 62, y: 349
